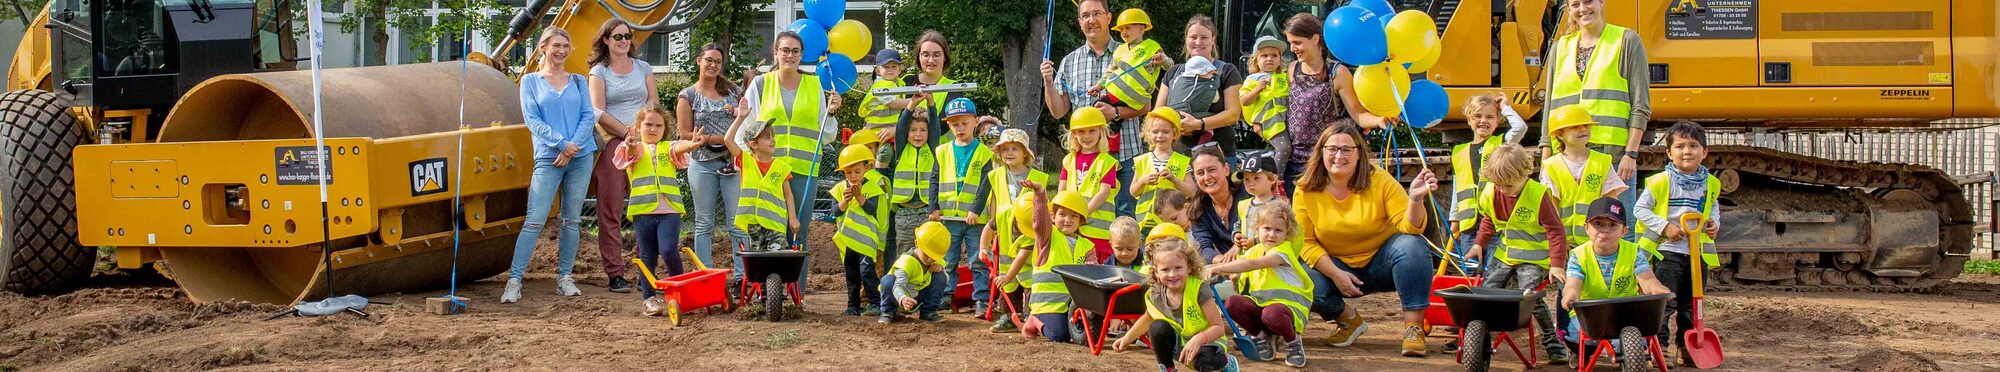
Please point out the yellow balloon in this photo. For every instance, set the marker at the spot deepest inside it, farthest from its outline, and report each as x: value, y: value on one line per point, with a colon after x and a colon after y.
x: 850, y: 38
x: 1382, y: 87
x: 1430, y: 59
x: 1411, y: 34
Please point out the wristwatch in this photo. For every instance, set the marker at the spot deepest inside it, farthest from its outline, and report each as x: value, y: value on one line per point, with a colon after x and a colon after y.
x: 1634, y: 155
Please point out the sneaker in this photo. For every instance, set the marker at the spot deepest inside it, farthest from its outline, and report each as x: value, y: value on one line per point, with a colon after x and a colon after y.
x: 871, y: 310
x: 1558, y: 357
x: 1347, y: 330
x: 851, y: 311
x: 655, y: 306
x: 931, y: 317
x: 1451, y: 346
x: 884, y: 319
x: 1003, y: 325
x: 1295, y: 352
x: 619, y: 285
x: 1265, y: 351
x: 980, y: 309
x: 1413, y: 340
x: 566, y: 286
x: 512, y: 293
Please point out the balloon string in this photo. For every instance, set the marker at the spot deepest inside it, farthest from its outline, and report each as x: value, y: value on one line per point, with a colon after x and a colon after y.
x: 1419, y: 143
x: 1048, y: 39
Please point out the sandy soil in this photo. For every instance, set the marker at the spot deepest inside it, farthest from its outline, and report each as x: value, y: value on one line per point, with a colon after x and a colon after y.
x: 139, y: 322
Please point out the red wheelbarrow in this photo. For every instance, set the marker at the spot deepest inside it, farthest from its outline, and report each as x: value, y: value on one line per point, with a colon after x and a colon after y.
x: 704, y: 288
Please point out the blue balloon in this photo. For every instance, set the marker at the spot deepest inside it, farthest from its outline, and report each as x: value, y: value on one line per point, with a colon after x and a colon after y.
x: 825, y: 12
x: 1355, y: 36
x: 1381, y: 8
x: 1426, y: 105
x: 812, y: 40
x: 837, y: 73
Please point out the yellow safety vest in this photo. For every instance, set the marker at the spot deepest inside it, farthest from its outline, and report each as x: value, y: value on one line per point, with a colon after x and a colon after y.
x: 957, y: 193
x: 913, y: 174
x: 1624, y: 282
x: 1087, y: 182
x: 1465, y: 179
x: 1270, y: 106
x: 919, y: 275
x: 1649, y: 238
x: 1001, y: 203
x: 860, y: 228
x: 654, y: 180
x: 762, y: 199
x: 1602, y: 91
x: 1573, y: 196
x: 1134, y: 89
x: 1287, y: 285
x: 798, y: 130
x: 1521, y: 234
x: 1188, y: 320
x: 1146, y: 164
x: 1048, y: 294
x: 874, y: 110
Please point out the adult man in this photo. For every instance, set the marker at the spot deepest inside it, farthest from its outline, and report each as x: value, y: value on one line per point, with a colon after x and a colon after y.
x: 1064, y: 87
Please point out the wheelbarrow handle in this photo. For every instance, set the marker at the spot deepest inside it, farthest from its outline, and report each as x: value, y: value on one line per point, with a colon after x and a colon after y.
x: 648, y: 272
x: 698, y: 265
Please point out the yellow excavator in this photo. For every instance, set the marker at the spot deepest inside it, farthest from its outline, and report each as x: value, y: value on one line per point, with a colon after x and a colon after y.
x: 179, y: 134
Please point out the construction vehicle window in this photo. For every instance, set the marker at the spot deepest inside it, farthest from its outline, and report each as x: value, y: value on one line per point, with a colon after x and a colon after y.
x: 131, y: 38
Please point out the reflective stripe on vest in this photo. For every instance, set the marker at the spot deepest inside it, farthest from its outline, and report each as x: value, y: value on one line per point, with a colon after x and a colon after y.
x: 874, y: 110
x: 1270, y: 106
x: 1286, y: 285
x: 1522, y: 238
x: 1134, y: 89
x: 1097, y: 225
x: 1624, y: 282
x: 1146, y: 164
x: 651, y: 183
x: 1048, y: 294
x: 1188, y: 320
x: 1602, y: 90
x: 958, y: 193
x: 1466, y: 179
x: 860, y: 228
x: 798, y: 130
x: 1649, y: 238
x: 1573, y: 196
x: 914, y: 172
x: 761, y: 201
x: 1002, y: 205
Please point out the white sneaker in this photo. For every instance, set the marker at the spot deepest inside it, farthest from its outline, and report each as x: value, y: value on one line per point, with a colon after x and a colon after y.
x: 512, y: 293
x: 655, y: 306
x: 566, y: 286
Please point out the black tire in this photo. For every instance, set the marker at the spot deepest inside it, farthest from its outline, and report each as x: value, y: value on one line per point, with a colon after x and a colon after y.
x: 1632, y: 355
x: 1477, y: 347
x: 774, y: 297
x: 39, y: 254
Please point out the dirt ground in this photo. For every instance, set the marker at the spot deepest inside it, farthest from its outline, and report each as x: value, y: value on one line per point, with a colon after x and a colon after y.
x: 126, y: 321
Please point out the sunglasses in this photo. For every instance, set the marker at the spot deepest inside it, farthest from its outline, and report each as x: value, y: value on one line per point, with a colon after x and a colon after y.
x: 622, y: 37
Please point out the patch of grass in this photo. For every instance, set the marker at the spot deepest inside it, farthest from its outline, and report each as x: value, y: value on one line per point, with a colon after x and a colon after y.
x: 1988, y: 267
x: 781, y: 340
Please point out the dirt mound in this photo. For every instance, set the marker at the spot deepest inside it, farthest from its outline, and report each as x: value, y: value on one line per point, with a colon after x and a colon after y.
x: 1889, y: 360
x: 1753, y: 319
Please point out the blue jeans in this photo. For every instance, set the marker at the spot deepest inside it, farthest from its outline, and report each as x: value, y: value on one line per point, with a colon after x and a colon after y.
x: 803, y: 194
x: 1055, y: 327
x: 572, y: 181
x: 659, y: 246
x: 1630, y: 197
x: 1402, y: 265
x: 1123, y: 201
x: 714, y: 202
x: 926, y: 296
x: 964, y: 247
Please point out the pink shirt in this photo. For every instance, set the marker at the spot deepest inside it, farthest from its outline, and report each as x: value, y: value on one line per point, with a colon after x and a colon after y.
x: 1083, y: 162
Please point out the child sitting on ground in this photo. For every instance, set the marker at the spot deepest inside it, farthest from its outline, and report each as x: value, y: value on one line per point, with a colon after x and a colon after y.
x: 1048, y: 297
x: 1125, y: 244
x: 1684, y: 187
x: 1523, y: 214
x: 1606, y: 266
x: 1274, y: 284
x: 910, y: 285
x: 652, y: 165
x: 859, y: 200
x: 1183, y: 323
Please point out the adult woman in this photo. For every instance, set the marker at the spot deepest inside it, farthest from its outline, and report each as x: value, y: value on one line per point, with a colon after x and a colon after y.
x: 1602, y: 67
x: 1358, y: 226
x: 557, y: 109
x: 704, y: 112
x: 1207, y: 95
x: 620, y: 85
x: 1322, y: 92
x: 792, y: 105
x: 1214, y: 206
x: 933, y: 57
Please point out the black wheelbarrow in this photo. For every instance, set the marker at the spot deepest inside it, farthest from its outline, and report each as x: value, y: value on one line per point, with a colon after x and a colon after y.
x: 781, y: 271
x: 1484, y: 317
x: 1116, y: 293
x: 1633, y: 321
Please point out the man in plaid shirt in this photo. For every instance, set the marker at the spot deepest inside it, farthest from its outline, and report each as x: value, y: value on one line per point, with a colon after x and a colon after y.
x: 1082, y: 69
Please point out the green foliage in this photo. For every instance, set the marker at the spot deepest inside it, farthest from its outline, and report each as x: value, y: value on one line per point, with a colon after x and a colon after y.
x: 1988, y: 267
x: 21, y: 10
x: 457, y: 18
x: 731, y: 20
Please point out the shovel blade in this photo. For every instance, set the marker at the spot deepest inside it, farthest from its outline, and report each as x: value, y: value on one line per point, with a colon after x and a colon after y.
x: 1248, y: 347
x: 1704, y: 347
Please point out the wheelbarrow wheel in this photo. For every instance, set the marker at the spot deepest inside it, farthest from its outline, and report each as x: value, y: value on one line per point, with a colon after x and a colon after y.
x: 1632, y: 355
x: 1476, y: 347
x: 774, y: 297
x: 674, y: 313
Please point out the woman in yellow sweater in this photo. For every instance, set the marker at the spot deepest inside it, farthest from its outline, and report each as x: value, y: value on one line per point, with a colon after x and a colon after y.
x: 1359, y: 226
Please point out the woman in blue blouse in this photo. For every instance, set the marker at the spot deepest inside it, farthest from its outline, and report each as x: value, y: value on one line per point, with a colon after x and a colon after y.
x: 556, y: 104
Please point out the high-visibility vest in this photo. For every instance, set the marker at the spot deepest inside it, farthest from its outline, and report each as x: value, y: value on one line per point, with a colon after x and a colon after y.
x: 914, y: 172
x: 1649, y: 238
x: 1146, y: 164
x: 798, y: 130
x: 1624, y: 282
x: 1601, y: 90
x: 1189, y: 319
x: 860, y: 228
x: 914, y: 270
x: 1268, y: 109
x: 1523, y: 240
x: 762, y: 199
x: 1010, y: 241
x: 874, y: 110
x: 1087, y: 182
x: 1048, y: 294
x: 1573, y: 196
x: 957, y: 193
x: 1287, y: 285
x: 1246, y: 218
x: 1134, y: 89
x: 1465, y: 179
x: 654, y: 180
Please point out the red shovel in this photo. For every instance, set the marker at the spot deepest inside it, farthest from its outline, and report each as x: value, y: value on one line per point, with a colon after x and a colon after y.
x: 1703, y: 346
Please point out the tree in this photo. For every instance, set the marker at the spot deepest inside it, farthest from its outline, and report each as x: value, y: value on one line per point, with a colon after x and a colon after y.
x: 411, y: 16
x: 23, y: 10
x: 732, y: 19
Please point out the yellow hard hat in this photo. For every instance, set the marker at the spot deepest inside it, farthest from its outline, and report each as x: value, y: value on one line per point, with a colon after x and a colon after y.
x: 855, y: 154
x: 1568, y: 116
x: 1074, y: 202
x: 932, y: 239
x: 864, y: 137
x: 1085, y: 118
x: 1166, y: 230
x: 1132, y: 16
x: 1024, y: 216
x: 1167, y: 113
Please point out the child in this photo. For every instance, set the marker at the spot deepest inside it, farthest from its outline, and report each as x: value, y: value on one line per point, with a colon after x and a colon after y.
x: 1125, y: 244
x: 1483, y: 113
x: 1685, y: 187
x: 1017, y: 232
x: 1132, y: 76
x: 1524, y: 215
x: 765, y: 210
x: 1578, y: 174
x: 878, y: 112
x: 1266, y: 94
x: 1048, y: 299
x: 962, y: 190
x: 1606, y: 266
x: 1174, y: 208
x: 909, y: 285
x: 859, y: 200
x: 1180, y: 312
x: 912, y: 189
x: 654, y: 205
x: 1259, y: 176
x: 1161, y: 168
x: 1275, y: 286
x: 1014, y: 181
x: 1091, y: 174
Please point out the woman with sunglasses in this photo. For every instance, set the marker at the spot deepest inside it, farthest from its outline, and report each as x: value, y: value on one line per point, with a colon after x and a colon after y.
x: 620, y: 85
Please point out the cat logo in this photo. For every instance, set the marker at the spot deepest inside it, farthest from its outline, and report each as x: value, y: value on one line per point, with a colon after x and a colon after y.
x: 427, y: 177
